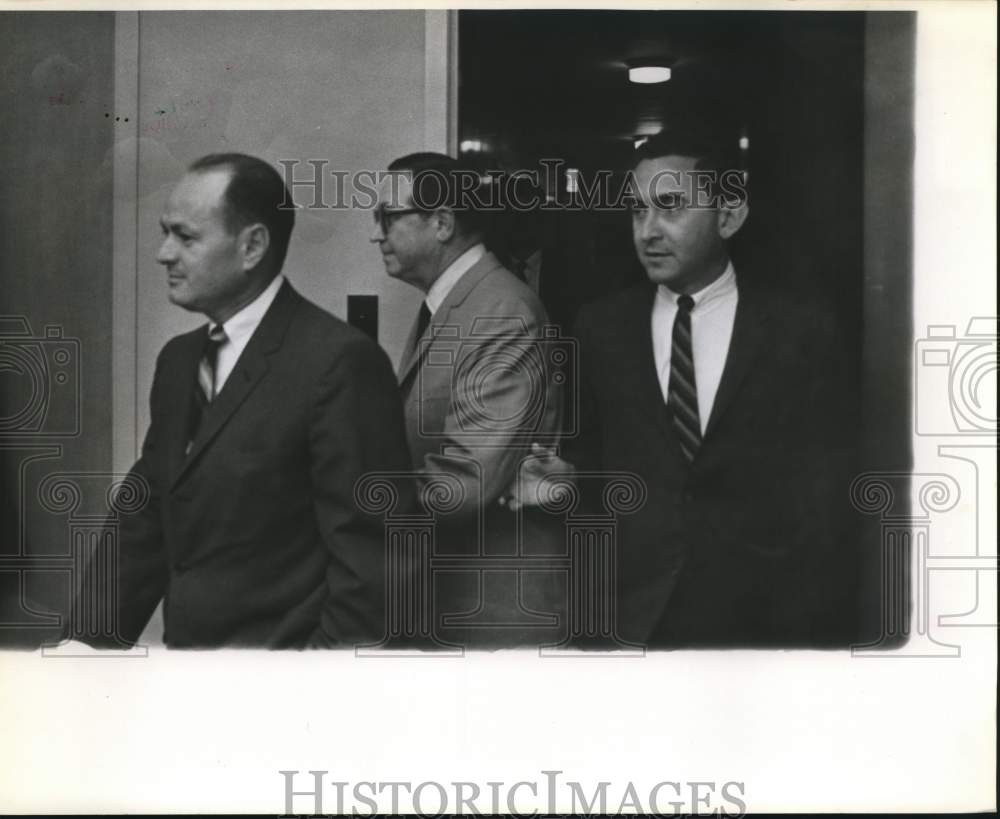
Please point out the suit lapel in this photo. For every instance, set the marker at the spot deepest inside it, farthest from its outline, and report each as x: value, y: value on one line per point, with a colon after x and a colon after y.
x: 750, y: 330
x: 183, y: 378
x: 408, y: 359
x: 638, y: 339
x: 249, y: 370
x: 414, y: 352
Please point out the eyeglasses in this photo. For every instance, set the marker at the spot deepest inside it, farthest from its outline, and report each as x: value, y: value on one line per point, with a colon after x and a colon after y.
x: 385, y: 218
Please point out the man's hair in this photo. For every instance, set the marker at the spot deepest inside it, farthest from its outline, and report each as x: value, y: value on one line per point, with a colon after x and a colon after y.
x: 255, y: 193
x: 712, y: 147
x: 441, y: 181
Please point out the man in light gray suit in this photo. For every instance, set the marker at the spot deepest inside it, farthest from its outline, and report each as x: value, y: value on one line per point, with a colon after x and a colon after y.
x: 473, y: 377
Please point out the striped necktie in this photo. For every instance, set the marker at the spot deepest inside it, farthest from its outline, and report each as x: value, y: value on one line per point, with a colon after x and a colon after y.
x: 682, y: 397
x: 204, y: 390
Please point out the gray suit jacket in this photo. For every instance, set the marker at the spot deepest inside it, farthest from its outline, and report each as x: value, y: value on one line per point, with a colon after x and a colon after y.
x: 477, y: 388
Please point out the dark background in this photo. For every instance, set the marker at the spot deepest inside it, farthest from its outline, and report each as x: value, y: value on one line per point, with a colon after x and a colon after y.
x: 825, y: 101
x: 554, y: 84
x: 57, y: 95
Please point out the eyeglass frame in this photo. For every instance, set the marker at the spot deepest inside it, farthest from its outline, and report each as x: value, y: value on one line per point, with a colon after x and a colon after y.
x: 384, y: 218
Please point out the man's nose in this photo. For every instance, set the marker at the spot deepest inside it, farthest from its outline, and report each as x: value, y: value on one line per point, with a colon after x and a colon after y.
x: 377, y: 234
x: 649, y: 226
x: 167, y: 254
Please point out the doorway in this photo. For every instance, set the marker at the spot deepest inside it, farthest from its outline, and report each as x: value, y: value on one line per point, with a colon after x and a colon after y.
x: 539, y: 87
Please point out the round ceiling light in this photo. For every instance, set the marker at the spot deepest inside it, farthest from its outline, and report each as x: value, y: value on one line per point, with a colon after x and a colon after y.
x: 649, y: 70
x: 649, y: 74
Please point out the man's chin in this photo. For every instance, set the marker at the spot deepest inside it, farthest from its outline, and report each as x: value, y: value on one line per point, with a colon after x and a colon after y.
x: 662, y: 273
x: 177, y: 296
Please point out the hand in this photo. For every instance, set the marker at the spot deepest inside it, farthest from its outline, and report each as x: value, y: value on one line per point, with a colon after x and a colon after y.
x: 534, y: 481
x: 75, y: 648
x: 78, y: 647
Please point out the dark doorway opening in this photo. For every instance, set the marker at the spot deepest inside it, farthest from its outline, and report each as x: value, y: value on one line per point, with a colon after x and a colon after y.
x: 553, y: 85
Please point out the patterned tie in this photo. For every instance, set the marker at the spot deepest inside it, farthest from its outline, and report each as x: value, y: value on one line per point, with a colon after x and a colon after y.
x: 204, y: 390
x: 682, y: 397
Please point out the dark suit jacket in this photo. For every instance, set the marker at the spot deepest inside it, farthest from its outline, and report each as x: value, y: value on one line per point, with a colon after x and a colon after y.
x: 254, y: 538
x: 747, y: 546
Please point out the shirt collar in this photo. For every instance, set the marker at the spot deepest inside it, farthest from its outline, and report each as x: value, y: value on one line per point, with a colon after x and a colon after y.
x: 446, y: 281
x: 241, y: 325
x: 719, y: 289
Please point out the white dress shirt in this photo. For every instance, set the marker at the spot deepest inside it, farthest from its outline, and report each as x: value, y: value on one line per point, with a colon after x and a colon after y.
x: 239, y: 328
x: 446, y: 281
x: 712, y: 319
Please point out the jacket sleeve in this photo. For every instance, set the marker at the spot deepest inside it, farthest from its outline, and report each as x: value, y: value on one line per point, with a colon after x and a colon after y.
x: 502, y: 398
x: 583, y: 449
x: 828, y: 463
x: 356, y: 428
x: 139, y: 552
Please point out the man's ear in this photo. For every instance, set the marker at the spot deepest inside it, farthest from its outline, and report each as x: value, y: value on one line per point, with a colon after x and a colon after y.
x: 254, y: 242
x: 445, y: 219
x: 731, y: 218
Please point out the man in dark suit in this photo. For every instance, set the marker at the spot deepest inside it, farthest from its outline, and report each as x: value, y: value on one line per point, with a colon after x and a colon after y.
x: 262, y: 421
x: 728, y: 398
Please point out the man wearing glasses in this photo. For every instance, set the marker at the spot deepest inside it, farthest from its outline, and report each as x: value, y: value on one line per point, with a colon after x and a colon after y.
x: 475, y: 391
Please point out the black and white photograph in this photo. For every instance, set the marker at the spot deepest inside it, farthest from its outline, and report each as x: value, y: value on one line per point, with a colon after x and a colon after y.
x: 482, y: 410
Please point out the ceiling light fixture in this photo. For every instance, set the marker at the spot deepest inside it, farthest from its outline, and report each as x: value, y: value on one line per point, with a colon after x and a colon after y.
x: 649, y: 70
x: 572, y: 180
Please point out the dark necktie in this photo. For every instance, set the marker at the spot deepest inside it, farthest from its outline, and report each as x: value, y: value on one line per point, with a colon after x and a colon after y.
x: 423, y: 319
x: 520, y: 269
x: 682, y: 397
x: 204, y: 388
